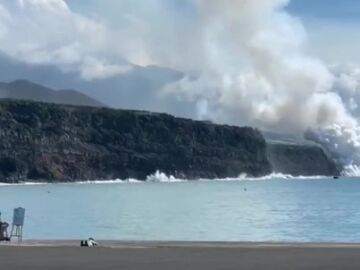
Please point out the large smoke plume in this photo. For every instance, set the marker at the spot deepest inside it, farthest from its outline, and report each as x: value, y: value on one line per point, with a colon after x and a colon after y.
x: 246, y: 62
x: 256, y: 71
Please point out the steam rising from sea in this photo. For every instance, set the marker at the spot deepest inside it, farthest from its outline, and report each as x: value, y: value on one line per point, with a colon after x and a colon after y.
x: 252, y: 68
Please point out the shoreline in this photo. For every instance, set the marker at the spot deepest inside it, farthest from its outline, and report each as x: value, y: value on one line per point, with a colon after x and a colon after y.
x: 179, y: 244
x: 170, y: 179
x: 35, y: 255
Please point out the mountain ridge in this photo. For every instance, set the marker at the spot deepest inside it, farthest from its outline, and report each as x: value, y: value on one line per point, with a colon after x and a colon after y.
x: 26, y: 90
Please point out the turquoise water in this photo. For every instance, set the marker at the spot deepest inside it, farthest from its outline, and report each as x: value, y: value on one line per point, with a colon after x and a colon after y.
x: 273, y: 210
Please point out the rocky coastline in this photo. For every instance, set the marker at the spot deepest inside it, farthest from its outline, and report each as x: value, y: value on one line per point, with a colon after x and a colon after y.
x: 44, y: 142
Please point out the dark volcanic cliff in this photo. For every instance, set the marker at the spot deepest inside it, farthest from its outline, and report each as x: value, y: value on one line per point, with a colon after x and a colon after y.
x: 47, y: 142
x: 301, y: 159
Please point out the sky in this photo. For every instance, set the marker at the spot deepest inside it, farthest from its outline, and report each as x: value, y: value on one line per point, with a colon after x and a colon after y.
x: 348, y: 10
x: 320, y: 9
x: 332, y: 26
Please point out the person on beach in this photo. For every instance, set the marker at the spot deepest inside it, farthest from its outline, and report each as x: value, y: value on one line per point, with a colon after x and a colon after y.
x: 89, y: 243
x: 4, y: 230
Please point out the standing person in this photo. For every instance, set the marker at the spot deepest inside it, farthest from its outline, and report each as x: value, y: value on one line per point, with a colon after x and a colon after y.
x: 4, y: 230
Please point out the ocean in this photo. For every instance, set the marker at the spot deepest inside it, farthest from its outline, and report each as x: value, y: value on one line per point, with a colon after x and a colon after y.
x: 271, y: 209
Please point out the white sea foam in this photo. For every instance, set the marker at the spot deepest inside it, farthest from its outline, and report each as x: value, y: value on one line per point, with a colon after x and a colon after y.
x: 272, y: 176
x: 22, y: 184
x: 352, y: 170
x: 104, y: 182
x: 160, y: 177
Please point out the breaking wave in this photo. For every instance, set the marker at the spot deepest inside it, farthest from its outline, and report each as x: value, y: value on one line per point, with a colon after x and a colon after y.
x: 160, y: 177
x: 104, y: 182
x: 22, y: 184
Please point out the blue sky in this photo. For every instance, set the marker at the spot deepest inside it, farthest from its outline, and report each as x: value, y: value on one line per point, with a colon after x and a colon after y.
x: 333, y: 28
x: 91, y: 6
x: 327, y: 9
x: 333, y: 25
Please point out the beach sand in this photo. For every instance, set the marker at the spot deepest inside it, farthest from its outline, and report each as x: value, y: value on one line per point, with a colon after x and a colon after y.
x: 34, y: 255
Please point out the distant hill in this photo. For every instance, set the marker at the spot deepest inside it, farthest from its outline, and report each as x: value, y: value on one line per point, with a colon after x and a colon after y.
x: 26, y: 90
x: 138, y: 89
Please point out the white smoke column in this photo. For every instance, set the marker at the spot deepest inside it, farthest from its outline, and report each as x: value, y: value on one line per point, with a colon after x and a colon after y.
x: 342, y: 143
x: 255, y: 70
x: 343, y: 140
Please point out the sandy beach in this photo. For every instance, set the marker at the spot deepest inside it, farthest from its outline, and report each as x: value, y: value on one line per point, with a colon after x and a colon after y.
x: 35, y: 255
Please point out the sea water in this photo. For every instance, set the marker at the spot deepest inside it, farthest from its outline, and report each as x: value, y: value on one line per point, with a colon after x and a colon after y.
x: 295, y: 210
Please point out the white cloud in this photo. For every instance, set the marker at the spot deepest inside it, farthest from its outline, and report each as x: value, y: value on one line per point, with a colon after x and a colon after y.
x: 48, y: 32
x: 44, y: 5
x: 94, y: 69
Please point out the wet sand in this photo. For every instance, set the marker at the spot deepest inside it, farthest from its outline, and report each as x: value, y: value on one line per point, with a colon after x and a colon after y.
x: 33, y: 255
